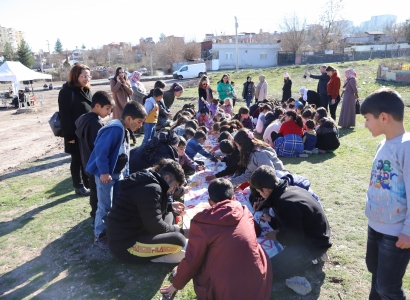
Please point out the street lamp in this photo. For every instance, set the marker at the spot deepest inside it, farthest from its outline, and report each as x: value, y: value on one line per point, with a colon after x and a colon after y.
x: 236, y: 46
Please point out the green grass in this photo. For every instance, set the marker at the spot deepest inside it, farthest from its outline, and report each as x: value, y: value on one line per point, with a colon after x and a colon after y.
x: 46, y: 239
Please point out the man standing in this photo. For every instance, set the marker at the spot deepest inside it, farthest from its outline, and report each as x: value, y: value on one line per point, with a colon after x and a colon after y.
x: 321, y: 86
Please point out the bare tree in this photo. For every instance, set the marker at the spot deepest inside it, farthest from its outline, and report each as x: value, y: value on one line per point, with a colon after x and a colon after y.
x: 407, y: 30
x: 332, y: 26
x: 167, y: 52
x: 192, y: 50
x: 294, y: 33
x: 394, y: 31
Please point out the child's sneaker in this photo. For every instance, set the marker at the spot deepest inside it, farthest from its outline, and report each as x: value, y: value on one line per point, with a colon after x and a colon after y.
x: 303, y: 155
x: 101, y: 242
x: 307, y: 152
x: 315, y: 151
x: 321, y: 151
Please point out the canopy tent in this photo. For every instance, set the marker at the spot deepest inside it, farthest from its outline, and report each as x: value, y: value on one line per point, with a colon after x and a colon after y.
x: 15, y: 72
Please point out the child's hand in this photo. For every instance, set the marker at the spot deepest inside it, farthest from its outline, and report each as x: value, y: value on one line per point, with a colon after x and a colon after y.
x: 266, y: 217
x: 186, y: 189
x: 105, y: 178
x: 210, y: 177
x: 168, y: 290
x: 178, y: 207
x: 257, y: 204
x: 271, y: 235
x: 403, y: 242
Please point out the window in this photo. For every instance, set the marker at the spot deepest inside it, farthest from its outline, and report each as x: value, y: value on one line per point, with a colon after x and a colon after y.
x: 264, y: 56
x: 184, y: 69
x: 229, y: 55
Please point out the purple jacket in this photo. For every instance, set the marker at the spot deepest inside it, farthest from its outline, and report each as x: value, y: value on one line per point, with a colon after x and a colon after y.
x: 185, y: 160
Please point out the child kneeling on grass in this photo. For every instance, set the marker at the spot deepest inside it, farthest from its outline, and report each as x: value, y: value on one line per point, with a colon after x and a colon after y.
x: 299, y: 223
x: 387, y: 205
x: 223, y: 256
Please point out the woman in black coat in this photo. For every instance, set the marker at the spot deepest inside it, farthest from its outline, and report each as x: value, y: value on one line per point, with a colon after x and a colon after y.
x: 74, y: 100
x: 205, y: 92
x: 287, y: 87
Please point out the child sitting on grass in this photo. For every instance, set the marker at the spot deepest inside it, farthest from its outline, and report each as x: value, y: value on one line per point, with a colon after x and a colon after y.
x: 203, y: 118
x: 188, y: 134
x: 231, y: 159
x: 310, y: 138
x: 244, y: 118
x: 227, y: 108
x: 194, y: 146
x: 187, y: 164
x: 222, y: 238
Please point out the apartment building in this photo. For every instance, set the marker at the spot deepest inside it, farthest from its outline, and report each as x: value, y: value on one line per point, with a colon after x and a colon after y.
x: 10, y: 35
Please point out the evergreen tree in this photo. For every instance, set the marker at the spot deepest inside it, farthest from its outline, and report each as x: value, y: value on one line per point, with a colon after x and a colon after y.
x: 83, y: 47
x: 24, y: 54
x: 407, y: 30
x: 58, y: 47
x: 9, y: 54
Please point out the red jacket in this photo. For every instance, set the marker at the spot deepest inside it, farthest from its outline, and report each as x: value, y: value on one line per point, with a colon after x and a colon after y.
x: 290, y: 127
x: 333, y: 86
x: 223, y: 256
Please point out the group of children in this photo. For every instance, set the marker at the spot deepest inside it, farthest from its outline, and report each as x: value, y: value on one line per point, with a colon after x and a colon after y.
x: 289, y: 129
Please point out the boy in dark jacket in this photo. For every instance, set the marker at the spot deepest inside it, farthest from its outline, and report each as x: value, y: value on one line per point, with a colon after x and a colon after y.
x: 109, y: 163
x: 231, y: 159
x: 88, y: 126
x: 299, y: 224
x: 140, y: 225
x: 223, y: 256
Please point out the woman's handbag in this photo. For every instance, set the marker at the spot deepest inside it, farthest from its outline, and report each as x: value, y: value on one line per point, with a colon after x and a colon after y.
x: 357, y: 107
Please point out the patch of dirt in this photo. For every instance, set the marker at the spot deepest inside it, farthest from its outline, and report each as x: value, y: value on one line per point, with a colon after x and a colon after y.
x: 27, y: 136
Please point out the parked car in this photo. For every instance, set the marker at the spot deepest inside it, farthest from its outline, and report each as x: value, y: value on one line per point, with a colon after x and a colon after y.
x: 143, y: 71
x: 190, y: 71
x: 126, y: 73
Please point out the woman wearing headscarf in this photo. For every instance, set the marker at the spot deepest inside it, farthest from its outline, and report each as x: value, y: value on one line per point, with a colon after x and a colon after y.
x: 121, y: 92
x: 261, y: 89
x: 248, y: 91
x: 333, y: 90
x: 74, y: 100
x: 347, y: 116
x: 309, y: 96
x: 169, y: 96
x: 138, y: 89
x: 287, y: 87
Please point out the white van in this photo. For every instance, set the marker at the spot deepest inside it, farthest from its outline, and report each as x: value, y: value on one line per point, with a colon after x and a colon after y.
x: 190, y: 71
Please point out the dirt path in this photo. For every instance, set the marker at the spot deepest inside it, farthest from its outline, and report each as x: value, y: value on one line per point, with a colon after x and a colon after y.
x: 27, y: 136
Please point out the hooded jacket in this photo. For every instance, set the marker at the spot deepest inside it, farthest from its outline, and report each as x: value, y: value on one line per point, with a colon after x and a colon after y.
x: 72, y: 103
x: 138, y: 210
x: 107, y: 146
x: 223, y: 256
x: 298, y: 216
x: 87, y: 129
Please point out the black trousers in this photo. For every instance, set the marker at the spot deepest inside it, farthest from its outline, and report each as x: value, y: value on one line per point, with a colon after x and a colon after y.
x: 93, y: 195
x: 332, y: 108
x: 80, y: 179
x: 324, y: 101
x: 157, y: 242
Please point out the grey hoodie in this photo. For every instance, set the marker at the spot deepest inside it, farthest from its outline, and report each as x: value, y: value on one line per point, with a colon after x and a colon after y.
x: 260, y: 157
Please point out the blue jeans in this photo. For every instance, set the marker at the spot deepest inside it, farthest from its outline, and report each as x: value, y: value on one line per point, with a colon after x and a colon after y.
x: 149, y: 131
x: 248, y: 100
x: 387, y: 263
x: 106, y: 193
x: 293, y: 260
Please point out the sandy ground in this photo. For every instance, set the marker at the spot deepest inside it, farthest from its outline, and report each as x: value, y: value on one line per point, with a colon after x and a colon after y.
x: 26, y: 136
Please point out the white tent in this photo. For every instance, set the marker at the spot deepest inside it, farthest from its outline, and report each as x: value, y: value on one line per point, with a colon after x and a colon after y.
x: 15, y: 71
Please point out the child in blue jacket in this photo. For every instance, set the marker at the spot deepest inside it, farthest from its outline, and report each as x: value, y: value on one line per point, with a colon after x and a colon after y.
x: 109, y: 163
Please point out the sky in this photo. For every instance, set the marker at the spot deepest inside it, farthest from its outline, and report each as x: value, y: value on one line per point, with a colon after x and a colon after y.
x: 97, y: 22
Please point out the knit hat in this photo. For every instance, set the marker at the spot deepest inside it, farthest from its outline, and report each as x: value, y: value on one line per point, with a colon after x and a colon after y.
x: 285, y: 75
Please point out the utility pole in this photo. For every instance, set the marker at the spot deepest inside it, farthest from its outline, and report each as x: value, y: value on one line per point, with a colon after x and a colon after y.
x: 236, y: 33
x: 152, y: 71
x: 48, y: 45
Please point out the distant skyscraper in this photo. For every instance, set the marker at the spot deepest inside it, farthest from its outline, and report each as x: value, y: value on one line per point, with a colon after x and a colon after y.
x: 377, y: 23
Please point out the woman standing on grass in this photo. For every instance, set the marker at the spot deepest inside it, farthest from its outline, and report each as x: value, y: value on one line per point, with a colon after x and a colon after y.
x: 333, y: 90
x: 121, y: 92
x: 248, y: 91
x: 347, y: 116
x: 74, y: 100
x: 224, y: 88
x: 204, y: 92
x: 287, y: 87
x: 169, y: 96
x: 261, y: 89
